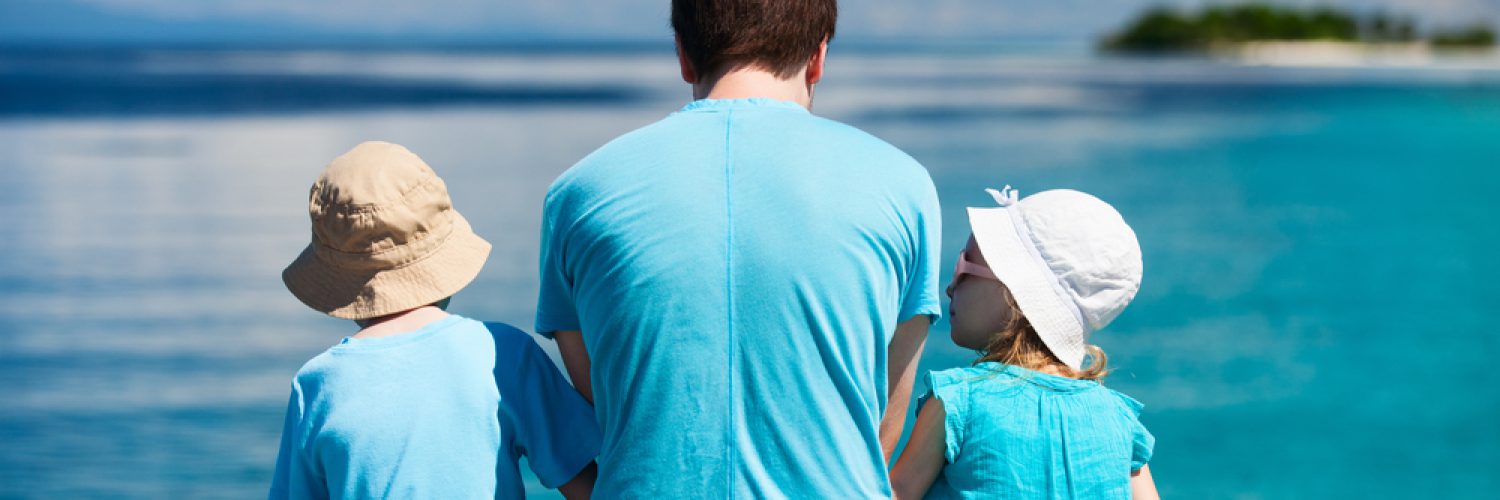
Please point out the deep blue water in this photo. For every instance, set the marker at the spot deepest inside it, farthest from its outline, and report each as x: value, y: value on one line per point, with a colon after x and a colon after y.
x: 1318, y: 241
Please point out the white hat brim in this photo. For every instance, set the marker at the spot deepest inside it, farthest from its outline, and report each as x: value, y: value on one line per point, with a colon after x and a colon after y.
x: 1030, y: 281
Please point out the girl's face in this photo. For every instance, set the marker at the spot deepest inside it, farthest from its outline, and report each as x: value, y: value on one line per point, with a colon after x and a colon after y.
x: 978, y: 308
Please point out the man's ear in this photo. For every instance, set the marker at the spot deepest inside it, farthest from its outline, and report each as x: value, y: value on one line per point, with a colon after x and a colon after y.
x: 688, y: 75
x: 815, y: 64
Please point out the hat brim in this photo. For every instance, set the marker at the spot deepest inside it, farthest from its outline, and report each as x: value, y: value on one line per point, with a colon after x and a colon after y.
x: 1030, y: 281
x: 363, y: 294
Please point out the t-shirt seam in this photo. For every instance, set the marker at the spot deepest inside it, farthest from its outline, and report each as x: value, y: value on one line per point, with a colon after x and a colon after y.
x: 729, y: 290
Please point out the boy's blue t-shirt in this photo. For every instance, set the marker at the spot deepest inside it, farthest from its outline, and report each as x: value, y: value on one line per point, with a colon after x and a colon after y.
x: 1018, y: 433
x: 442, y: 412
x: 737, y: 270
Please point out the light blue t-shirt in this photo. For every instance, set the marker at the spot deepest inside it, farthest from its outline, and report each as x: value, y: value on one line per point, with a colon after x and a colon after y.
x: 1018, y: 433
x: 737, y: 270
x: 442, y: 412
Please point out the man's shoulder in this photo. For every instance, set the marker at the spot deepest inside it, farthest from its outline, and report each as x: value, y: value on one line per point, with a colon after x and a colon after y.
x: 683, y: 138
x: 650, y: 141
x: 857, y: 148
x: 679, y: 133
x: 850, y: 134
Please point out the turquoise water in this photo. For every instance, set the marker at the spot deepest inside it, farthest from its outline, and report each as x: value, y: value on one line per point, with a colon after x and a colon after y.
x: 1311, y: 323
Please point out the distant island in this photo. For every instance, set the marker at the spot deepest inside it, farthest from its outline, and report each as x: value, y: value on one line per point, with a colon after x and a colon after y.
x: 1164, y: 29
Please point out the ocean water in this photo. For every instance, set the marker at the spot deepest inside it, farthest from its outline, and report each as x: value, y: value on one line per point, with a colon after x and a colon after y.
x: 1318, y: 242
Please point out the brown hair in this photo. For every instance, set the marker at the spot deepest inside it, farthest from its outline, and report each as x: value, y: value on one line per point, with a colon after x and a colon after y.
x: 775, y: 35
x: 1018, y: 344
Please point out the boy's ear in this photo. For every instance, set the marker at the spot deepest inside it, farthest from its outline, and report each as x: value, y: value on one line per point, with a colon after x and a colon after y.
x: 688, y: 75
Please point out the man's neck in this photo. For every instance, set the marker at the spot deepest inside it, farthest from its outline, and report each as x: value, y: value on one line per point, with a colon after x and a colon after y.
x: 744, y: 83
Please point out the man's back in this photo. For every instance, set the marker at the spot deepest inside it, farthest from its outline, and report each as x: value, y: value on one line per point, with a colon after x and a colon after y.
x: 737, y: 271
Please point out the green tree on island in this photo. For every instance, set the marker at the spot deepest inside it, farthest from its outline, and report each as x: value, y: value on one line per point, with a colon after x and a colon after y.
x: 1474, y: 36
x: 1164, y: 29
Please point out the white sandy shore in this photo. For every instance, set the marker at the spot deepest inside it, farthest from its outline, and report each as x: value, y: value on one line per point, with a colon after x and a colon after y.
x: 1355, y: 54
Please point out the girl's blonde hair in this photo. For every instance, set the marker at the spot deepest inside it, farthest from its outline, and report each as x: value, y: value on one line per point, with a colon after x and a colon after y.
x: 1018, y: 344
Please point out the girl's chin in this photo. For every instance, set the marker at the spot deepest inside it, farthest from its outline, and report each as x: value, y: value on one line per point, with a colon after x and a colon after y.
x: 965, y: 342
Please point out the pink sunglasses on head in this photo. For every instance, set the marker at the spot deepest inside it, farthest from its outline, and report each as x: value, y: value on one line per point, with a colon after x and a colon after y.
x: 966, y: 267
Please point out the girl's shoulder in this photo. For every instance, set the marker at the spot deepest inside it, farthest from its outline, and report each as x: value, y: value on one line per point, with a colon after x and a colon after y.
x: 980, y: 372
x: 953, y: 387
x: 956, y: 386
x: 1129, y: 404
x: 1142, y: 441
x: 968, y: 379
x: 964, y: 375
x: 992, y: 376
x: 988, y: 380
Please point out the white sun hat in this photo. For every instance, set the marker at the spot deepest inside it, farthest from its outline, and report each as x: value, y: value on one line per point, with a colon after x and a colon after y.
x: 1068, y: 258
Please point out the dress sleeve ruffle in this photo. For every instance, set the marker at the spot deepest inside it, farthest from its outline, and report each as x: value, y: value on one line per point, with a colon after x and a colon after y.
x: 1142, y: 442
x: 950, y: 388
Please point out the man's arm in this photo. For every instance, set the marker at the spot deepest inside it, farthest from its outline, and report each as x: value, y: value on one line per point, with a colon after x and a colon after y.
x: 576, y: 360
x: 905, y: 351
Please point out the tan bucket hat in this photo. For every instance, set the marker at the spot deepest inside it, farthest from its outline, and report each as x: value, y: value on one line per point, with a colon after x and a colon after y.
x: 385, y: 237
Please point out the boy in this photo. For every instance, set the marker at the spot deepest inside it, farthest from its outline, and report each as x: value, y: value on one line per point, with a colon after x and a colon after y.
x: 419, y: 403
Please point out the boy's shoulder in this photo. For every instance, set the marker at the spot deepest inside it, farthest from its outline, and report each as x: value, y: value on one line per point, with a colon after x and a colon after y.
x: 506, y: 334
x: 515, y: 347
x: 453, y: 329
x: 506, y: 340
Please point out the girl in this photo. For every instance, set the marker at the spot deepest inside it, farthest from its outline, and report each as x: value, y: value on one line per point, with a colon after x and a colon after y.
x: 1030, y: 419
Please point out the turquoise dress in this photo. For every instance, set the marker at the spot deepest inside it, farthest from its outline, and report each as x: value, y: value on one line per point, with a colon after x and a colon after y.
x: 1018, y: 433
